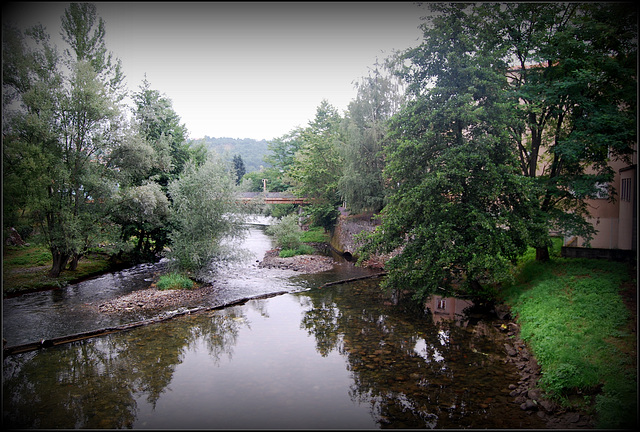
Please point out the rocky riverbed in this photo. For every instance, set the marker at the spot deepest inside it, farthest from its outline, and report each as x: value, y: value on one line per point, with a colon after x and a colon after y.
x: 301, y: 263
x: 525, y: 393
x: 154, y: 299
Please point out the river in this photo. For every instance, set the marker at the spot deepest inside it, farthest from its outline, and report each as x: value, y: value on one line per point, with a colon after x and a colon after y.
x: 314, y: 358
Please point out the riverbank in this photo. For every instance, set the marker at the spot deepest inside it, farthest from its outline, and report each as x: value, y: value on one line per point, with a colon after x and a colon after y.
x: 25, y: 269
x: 574, y: 329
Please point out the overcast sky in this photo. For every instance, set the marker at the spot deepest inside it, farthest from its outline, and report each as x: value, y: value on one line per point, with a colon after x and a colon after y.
x: 245, y: 70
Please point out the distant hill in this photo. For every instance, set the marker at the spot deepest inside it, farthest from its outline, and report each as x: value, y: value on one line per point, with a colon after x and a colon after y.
x: 252, y: 151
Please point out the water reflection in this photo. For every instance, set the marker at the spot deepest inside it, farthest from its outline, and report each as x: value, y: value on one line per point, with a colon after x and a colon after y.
x: 326, y: 358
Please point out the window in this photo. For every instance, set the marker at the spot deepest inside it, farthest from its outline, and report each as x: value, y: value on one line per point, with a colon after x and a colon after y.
x: 625, y: 189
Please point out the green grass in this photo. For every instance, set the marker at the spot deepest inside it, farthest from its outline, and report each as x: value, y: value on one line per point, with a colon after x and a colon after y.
x: 315, y: 235
x: 572, y: 317
x: 301, y: 250
x: 26, y: 269
x: 175, y: 281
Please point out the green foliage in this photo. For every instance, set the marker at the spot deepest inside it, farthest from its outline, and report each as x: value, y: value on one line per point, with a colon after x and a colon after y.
x: 573, y: 93
x: 238, y: 168
x: 361, y: 182
x: 301, y: 250
x: 203, y: 212
x: 570, y: 312
x: 252, y: 181
x: 280, y: 210
x: 175, y: 280
x: 315, y: 235
x: 317, y: 165
x: 287, y: 233
x: 457, y: 206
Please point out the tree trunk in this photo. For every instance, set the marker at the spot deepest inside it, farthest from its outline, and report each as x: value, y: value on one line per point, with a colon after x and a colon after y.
x: 59, y: 262
x: 542, y: 253
x: 73, y: 264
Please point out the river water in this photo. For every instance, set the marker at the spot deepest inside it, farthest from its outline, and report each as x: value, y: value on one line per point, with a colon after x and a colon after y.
x: 314, y: 358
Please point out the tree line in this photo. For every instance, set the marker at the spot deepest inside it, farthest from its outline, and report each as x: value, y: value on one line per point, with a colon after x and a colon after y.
x: 475, y: 144
x: 469, y: 147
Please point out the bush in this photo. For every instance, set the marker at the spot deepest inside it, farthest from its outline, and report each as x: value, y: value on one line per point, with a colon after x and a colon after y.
x: 174, y: 281
x: 287, y: 233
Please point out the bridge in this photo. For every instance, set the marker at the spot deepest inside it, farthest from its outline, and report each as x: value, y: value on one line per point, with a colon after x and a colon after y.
x: 272, y: 198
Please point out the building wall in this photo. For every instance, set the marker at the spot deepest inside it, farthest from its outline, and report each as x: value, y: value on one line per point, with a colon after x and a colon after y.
x: 615, y: 220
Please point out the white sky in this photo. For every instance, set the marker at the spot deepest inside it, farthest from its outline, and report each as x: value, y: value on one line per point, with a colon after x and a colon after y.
x: 245, y: 70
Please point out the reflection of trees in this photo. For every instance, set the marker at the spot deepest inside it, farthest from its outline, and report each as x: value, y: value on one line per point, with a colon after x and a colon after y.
x: 408, y: 368
x: 95, y: 383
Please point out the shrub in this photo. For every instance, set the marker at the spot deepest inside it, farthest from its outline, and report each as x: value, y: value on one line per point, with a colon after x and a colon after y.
x: 287, y: 233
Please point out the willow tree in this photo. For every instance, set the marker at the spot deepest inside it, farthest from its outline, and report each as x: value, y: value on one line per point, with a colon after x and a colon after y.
x: 204, y: 213
x: 361, y: 183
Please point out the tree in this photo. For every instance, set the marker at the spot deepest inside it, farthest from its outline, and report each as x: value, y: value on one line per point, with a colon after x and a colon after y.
x: 283, y: 150
x: 361, y: 182
x: 203, y: 212
x: 84, y: 32
x: 317, y: 165
x: 458, y: 208
x: 68, y: 119
x: 573, y: 82
x: 238, y: 168
x: 160, y: 126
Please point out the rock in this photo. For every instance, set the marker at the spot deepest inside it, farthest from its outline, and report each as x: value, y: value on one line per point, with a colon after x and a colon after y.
x: 510, y: 350
x: 502, y: 311
x: 14, y: 238
x: 528, y: 405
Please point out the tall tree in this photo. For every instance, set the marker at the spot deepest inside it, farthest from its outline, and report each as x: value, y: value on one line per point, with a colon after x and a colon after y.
x: 84, y: 31
x: 458, y: 208
x: 238, y: 168
x: 69, y: 118
x: 362, y: 183
x: 318, y: 165
x: 573, y: 82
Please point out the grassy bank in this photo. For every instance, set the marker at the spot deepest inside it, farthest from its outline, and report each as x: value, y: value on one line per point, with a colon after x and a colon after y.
x: 573, y: 318
x: 26, y: 268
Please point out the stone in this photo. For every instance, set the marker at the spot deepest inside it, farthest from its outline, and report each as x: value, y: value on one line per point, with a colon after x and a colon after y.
x: 14, y: 238
x: 511, y: 351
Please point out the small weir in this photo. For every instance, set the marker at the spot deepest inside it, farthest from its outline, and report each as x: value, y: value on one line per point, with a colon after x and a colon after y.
x: 275, y: 349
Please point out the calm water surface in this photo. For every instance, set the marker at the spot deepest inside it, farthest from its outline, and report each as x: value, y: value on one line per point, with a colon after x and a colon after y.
x: 337, y: 357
